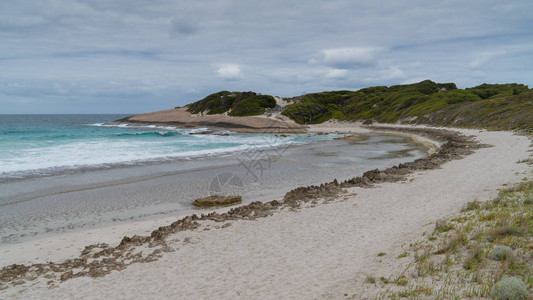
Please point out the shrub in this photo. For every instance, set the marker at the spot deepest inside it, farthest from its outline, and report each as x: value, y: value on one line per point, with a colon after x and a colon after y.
x: 252, y: 106
x: 426, y: 87
x: 306, y: 113
x: 240, y: 103
x: 447, y: 86
x: 500, y: 252
x: 487, y: 91
x: 509, y: 289
x: 456, y: 96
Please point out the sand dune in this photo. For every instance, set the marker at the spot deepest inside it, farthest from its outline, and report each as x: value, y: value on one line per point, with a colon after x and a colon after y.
x: 180, y: 117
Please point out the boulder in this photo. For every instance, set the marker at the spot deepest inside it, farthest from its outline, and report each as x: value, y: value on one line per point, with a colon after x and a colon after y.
x: 213, y: 201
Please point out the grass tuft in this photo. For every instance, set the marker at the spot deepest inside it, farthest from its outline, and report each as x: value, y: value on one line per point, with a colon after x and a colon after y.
x: 442, y: 225
x: 472, y: 205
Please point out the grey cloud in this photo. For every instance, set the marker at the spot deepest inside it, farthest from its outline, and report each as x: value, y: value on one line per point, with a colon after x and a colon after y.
x: 180, y: 26
x: 484, y: 57
x: 336, y: 73
x: 157, y: 52
x: 350, y: 56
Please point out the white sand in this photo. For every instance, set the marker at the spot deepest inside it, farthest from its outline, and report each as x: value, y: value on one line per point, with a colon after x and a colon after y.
x: 317, y: 252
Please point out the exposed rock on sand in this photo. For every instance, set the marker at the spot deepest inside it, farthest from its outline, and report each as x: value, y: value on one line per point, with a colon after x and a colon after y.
x: 215, y: 201
x: 455, y: 146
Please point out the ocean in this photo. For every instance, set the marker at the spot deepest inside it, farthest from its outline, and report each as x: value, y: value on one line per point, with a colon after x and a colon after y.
x: 65, y: 173
x: 42, y: 145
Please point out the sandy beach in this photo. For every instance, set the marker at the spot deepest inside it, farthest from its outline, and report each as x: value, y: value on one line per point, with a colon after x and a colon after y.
x: 320, y: 250
x: 248, y: 150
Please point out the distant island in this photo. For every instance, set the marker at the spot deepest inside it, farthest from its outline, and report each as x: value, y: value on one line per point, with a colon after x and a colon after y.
x: 491, y: 106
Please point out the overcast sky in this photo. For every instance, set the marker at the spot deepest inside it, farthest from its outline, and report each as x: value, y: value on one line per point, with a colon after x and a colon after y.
x: 131, y: 56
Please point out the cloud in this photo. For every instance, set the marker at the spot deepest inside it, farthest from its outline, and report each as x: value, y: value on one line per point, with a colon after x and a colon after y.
x: 393, y: 73
x: 336, y: 73
x: 484, y: 57
x: 385, y: 76
x: 180, y: 26
x: 349, y: 57
x: 229, y: 72
x: 169, y: 52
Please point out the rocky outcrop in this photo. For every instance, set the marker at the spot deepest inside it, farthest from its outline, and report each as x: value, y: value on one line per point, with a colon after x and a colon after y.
x: 217, y: 201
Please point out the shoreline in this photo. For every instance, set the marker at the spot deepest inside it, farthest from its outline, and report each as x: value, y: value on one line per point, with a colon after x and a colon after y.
x: 173, y: 186
x: 343, y: 127
x: 296, y: 199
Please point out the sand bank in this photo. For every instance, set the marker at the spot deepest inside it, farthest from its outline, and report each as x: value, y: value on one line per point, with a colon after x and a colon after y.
x: 313, y: 252
x: 180, y: 117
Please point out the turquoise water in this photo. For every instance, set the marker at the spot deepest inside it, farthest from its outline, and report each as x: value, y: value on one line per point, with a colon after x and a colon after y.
x: 40, y: 145
x: 167, y: 168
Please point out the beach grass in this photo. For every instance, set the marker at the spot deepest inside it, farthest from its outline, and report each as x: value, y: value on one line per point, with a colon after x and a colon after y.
x: 470, y: 255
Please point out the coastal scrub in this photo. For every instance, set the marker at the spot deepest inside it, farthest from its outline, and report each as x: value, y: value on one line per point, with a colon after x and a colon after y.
x: 485, y: 251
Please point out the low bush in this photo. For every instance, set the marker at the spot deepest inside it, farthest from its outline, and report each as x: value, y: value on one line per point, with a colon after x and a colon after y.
x: 500, y: 252
x: 510, y: 288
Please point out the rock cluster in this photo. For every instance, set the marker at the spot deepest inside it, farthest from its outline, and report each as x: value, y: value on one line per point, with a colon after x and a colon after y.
x: 305, y: 194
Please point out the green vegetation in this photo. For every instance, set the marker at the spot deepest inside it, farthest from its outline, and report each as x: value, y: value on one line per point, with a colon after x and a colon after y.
x: 236, y: 103
x: 500, y: 252
x: 441, y: 225
x: 384, y: 280
x: 403, y: 254
x: 510, y: 289
x: 370, y: 279
x: 506, y: 113
x: 485, y: 251
x: 492, y: 106
x: 492, y: 91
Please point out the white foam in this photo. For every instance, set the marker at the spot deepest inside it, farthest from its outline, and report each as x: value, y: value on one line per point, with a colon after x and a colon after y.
x: 94, y: 153
x: 128, y: 125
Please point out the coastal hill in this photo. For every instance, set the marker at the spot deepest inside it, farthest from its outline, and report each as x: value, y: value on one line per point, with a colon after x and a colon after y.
x: 492, y: 106
x: 236, y: 104
x: 236, y: 111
